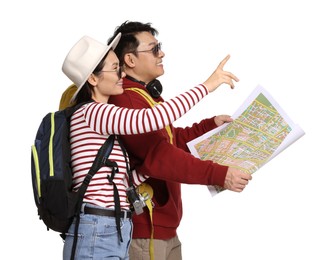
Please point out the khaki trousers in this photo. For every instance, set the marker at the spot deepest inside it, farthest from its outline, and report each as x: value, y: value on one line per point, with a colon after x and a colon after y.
x: 163, y: 249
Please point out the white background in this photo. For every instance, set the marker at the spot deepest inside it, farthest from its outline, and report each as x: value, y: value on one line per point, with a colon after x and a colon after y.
x: 282, y: 45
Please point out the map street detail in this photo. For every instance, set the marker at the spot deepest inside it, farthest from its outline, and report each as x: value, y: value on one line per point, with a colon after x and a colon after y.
x: 260, y: 131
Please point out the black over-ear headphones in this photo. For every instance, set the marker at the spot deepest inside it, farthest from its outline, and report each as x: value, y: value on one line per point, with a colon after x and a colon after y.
x: 154, y: 87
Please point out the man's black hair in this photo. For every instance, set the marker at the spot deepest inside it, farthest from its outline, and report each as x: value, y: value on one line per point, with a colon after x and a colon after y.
x: 128, y: 42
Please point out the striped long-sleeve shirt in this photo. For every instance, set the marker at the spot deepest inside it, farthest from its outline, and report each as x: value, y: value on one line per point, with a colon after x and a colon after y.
x: 92, y: 124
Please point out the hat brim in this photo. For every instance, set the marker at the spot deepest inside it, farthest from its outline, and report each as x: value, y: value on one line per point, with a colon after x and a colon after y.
x: 112, y: 45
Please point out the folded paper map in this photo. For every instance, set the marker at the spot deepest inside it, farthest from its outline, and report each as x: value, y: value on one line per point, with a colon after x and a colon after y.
x: 259, y: 132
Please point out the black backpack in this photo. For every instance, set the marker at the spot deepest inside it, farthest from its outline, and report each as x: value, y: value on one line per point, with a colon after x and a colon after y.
x: 56, y: 203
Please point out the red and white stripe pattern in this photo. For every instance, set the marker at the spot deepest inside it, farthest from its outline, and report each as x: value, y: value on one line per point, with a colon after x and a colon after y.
x: 94, y: 122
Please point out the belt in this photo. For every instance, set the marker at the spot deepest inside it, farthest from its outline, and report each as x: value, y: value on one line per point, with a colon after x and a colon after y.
x: 106, y: 212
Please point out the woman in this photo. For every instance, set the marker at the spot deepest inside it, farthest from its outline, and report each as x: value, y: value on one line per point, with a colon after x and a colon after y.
x: 94, y: 69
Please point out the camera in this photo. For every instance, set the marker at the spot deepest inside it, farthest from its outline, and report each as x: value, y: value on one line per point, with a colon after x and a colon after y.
x: 137, y: 200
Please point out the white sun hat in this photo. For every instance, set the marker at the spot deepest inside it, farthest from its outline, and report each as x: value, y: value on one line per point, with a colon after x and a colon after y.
x: 83, y: 58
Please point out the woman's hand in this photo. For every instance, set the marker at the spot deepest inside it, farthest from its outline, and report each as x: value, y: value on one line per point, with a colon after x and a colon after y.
x: 220, y: 76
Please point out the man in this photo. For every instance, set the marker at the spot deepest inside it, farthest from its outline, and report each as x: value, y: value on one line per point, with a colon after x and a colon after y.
x: 163, y: 155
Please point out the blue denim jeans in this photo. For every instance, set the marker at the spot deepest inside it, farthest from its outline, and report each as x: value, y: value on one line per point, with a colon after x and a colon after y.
x: 98, y: 238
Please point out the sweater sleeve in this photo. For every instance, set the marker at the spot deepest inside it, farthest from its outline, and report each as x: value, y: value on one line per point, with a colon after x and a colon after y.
x: 184, y: 135
x: 168, y: 162
x: 109, y: 119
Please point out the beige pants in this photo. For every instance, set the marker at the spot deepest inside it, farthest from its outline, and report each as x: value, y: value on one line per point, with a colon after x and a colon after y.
x: 163, y: 249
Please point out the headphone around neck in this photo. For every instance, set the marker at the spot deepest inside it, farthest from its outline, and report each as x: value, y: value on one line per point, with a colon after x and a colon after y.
x: 154, y: 87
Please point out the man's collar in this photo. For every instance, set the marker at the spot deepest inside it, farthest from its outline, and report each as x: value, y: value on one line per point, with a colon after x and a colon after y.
x: 135, y: 80
x: 128, y: 83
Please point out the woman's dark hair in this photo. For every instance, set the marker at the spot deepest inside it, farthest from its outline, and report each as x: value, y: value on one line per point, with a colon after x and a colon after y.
x: 128, y: 42
x: 85, y: 94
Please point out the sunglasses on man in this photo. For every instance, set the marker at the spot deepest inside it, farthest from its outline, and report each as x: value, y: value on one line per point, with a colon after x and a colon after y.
x: 155, y: 50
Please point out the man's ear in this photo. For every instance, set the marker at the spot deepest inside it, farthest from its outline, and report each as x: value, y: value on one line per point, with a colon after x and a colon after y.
x: 93, y: 80
x: 129, y: 60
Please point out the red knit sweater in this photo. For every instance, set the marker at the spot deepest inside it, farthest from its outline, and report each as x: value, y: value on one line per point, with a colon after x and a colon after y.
x: 168, y: 165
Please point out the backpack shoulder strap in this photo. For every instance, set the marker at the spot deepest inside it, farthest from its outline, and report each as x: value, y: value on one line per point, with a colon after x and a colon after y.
x: 99, y: 161
x: 143, y: 93
x: 125, y: 154
x: 152, y: 103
